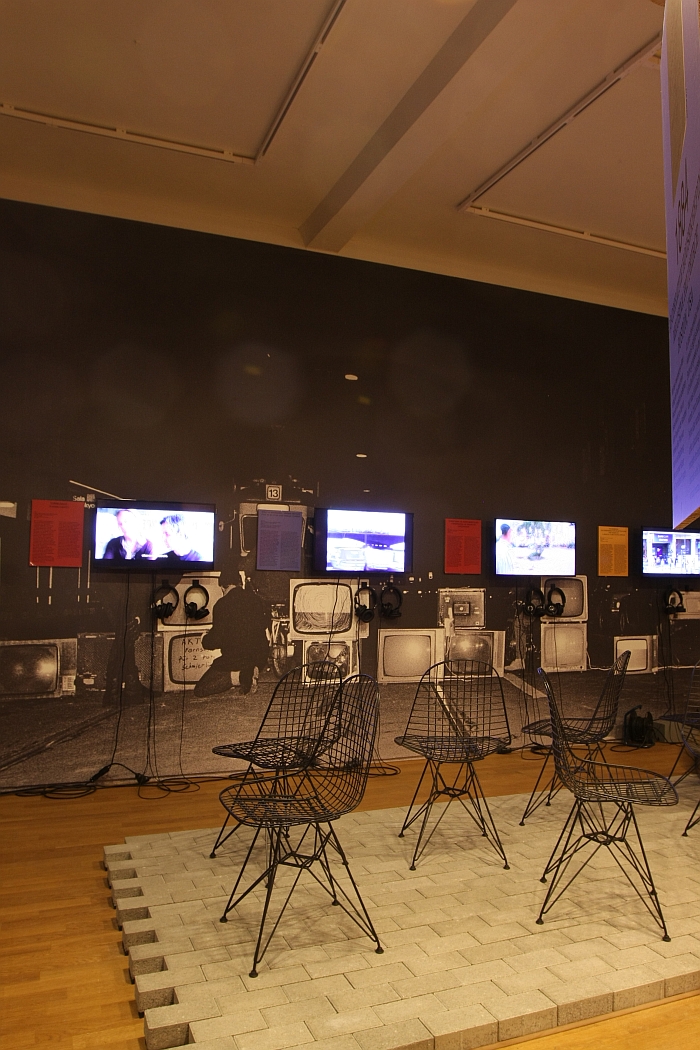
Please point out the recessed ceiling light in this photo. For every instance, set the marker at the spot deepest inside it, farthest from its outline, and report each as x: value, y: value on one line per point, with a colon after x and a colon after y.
x: 349, y: 375
x: 365, y: 490
x: 361, y: 455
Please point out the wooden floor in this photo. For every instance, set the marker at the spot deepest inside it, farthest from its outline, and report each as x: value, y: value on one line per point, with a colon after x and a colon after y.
x: 63, y: 978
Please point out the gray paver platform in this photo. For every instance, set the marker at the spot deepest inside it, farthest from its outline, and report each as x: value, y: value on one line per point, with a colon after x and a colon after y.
x: 464, y: 963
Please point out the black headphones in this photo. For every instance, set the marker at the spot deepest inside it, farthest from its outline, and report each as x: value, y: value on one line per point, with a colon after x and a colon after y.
x: 552, y: 607
x: 673, y: 602
x: 365, y: 613
x: 390, y: 602
x: 165, y: 601
x: 196, y: 601
x: 535, y: 603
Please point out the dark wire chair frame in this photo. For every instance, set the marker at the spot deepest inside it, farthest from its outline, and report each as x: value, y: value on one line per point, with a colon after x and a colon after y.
x: 687, y: 718
x: 310, y: 799
x: 584, y: 732
x: 690, y: 729
x: 596, y: 785
x: 300, y: 720
x: 458, y: 717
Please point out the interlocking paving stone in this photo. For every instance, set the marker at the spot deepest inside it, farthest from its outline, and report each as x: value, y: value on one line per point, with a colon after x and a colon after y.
x: 464, y: 962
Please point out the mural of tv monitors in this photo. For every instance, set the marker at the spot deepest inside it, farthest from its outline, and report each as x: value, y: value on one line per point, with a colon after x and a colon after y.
x: 670, y: 553
x: 359, y: 541
x: 145, y: 536
x: 535, y: 548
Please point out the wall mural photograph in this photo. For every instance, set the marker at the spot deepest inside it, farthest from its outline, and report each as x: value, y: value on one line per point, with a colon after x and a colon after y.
x: 263, y: 446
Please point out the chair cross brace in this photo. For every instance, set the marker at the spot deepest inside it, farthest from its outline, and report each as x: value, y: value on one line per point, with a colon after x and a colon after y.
x: 588, y: 824
x: 311, y: 849
x: 464, y: 785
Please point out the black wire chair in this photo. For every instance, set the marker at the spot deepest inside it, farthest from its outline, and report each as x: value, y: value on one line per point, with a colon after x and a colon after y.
x: 587, y: 732
x: 685, y: 715
x: 294, y: 810
x: 458, y: 717
x: 690, y: 729
x: 595, y: 786
x: 300, y: 720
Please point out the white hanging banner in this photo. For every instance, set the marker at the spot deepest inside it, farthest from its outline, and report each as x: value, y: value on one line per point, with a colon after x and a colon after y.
x: 680, y: 97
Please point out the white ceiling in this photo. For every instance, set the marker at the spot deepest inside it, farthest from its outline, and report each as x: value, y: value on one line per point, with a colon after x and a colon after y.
x: 354, y: 127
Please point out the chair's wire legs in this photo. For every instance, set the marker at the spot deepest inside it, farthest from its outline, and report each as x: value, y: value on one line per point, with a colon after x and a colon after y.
x: 593, y: 827
x: 542, y: 796
x: 221, y: 838
x: 694, y: 819
x: 310, y: 849
x: 464, y: 786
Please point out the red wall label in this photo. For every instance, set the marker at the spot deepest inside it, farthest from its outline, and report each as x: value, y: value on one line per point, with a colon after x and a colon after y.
x: 56, y: 536
x: 462, y: 546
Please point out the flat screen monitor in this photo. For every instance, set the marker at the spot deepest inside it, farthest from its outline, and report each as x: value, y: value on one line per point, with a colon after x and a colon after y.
x: 670, y: 553
x: 535, y: 548
x: 359, y: 541
x: 145, y: 536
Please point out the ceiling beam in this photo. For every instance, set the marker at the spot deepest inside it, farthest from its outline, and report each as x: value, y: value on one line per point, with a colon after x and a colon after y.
x: 429, y: 111
x: 618, y: 74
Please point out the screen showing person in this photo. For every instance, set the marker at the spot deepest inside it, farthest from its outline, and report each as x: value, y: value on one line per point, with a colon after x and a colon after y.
x: 145, y: 535
x: 127, y: 538
x: 535, y: 548
x: 176, y: 539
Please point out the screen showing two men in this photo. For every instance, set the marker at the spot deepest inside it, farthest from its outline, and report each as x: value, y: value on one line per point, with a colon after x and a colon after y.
x: 535, y: 548
x: 153, y: 536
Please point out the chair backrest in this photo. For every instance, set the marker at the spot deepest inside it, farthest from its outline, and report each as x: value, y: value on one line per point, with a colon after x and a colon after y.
x: 690, y: 727
x: 603, y: 718
x: 460, y: 700
x: 345, y: 763
x: 567, y: 766
x: 301, y: 703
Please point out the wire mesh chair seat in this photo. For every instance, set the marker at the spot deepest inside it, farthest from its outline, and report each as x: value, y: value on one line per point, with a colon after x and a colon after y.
x: 687, y: 715
x: 300, y: 721
x: 458, y: 717
x: 595, y: 786
x: 580, y: 732
x: 309, y: 800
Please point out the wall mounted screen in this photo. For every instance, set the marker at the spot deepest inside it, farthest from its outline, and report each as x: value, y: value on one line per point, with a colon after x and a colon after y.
x: 355, y: 541
x: 535, y: 548
x: 152, y: 537
x: 670, y: 553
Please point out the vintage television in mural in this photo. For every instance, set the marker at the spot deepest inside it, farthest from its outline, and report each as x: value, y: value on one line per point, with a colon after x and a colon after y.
x: 667, y: 553
x: 150, y: 536
x: 93, y: 656
x: 564, y: 646
x: 404, y: 654
x: 324, y: 610
x: 534, y: 548
x: 575, y: 590
x: 344, y: 654
x: 487, y: 646
x: 461, y: 607
x: 185, y: 659
x: 691, y: 601
x: 362, y: 541
x: 248, y: 521
x: 44, y: 668
x: 643, y: 649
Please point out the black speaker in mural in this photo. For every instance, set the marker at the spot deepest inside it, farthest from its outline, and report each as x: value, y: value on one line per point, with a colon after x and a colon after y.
x: 93, y: 657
